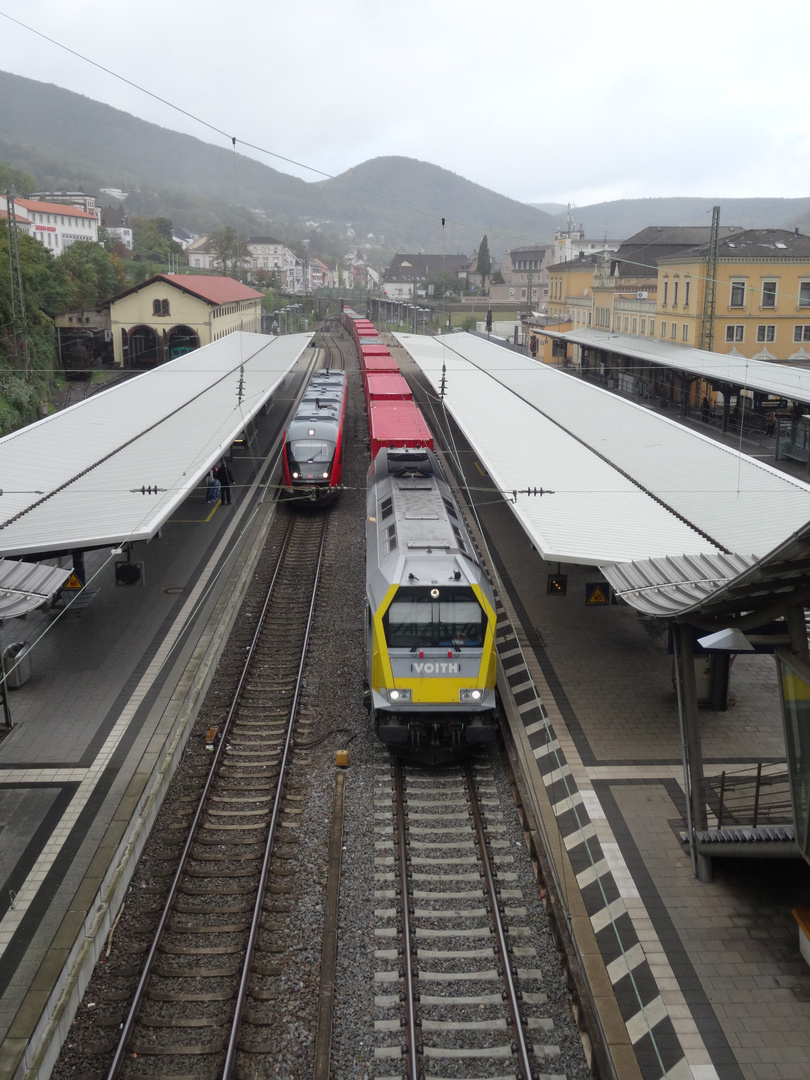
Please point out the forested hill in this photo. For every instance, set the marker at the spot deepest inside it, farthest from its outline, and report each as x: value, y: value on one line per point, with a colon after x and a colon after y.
x: 70, y: 142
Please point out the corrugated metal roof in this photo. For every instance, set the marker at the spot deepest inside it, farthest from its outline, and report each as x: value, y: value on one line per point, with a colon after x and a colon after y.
x: 780, y: 380
x: 24, y: 587
x: 77, y: 479
x: 628, y: 484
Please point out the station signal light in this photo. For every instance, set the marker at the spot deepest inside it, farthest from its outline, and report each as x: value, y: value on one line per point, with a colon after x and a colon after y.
x: 533, y: 346
x: 556, y: 584
x: 489, y: 322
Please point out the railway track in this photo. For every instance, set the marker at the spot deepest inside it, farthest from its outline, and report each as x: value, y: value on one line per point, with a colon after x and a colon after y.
x: 460, y: 989
x: 203, y: 1000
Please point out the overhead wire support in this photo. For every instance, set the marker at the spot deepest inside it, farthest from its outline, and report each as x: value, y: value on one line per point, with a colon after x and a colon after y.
x: 710, y: 289
x: 21, y: 356
x: 528, y: 491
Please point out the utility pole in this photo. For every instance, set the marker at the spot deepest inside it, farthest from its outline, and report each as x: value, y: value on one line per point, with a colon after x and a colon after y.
x: 710, y: 288
x: 21, y: 357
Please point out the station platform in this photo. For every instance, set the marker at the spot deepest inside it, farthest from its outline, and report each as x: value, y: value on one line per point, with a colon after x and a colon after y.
x: 115, y: 681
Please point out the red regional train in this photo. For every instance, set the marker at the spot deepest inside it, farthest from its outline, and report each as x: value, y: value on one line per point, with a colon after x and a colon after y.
x: 312, y: 458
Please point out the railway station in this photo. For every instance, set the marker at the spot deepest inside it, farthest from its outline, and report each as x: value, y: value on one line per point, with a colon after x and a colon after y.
x: 692, y: 959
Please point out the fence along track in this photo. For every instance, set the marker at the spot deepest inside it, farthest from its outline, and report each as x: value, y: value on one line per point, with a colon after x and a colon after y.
x: 190, y: 998
x: 456, y: 890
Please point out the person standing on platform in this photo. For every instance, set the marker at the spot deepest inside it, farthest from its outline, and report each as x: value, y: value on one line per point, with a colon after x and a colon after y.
x: 225, y: 476
x: 213, y: 490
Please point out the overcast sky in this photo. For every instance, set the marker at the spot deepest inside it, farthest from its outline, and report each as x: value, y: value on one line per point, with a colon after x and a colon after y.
x: 580, y: 102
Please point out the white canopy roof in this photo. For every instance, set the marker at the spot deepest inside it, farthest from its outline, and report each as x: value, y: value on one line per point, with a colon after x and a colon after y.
x: 779, y: 380
x: 114, y: 467
x: 627, y: 484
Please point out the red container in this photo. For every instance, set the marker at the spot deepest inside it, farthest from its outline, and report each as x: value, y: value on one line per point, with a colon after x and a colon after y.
x: 396, y: 423
x: 385, y: 386
x: 382, y: 362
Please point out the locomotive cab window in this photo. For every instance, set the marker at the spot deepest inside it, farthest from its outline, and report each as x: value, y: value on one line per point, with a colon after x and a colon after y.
x: 307, y: 451
x: 416, y: 618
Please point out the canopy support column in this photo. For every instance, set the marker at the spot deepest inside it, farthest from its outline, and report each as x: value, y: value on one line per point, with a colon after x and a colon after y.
x: 691, y: 748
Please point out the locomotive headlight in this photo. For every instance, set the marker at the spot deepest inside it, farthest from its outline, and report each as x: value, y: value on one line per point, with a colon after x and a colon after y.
x: 470, y: 695
x: 325, y: 475
x: 398, y: 697
x: 295, y: 476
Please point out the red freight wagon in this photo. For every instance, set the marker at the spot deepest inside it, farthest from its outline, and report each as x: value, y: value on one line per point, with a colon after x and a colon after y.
x: 379, y: 363
x: 367, y: 351
x: 385, y: 386
x: 396, y: 423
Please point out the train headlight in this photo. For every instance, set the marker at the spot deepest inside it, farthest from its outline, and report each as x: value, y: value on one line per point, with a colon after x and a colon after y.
x: 295, y: 476
x: 471, y: 696
x: 325, y: 475
x: 399, y: 697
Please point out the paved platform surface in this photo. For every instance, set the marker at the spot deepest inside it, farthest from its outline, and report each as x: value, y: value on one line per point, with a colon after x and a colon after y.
x: 112, y: 680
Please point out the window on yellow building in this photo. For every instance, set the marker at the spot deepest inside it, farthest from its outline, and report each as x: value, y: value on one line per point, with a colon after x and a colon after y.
x: 737, y: 294
x: 673, y: 332
x: 635, y: 323
x: 652, y: 327
x: 686, y: 285
x: 804, y: 294
x: 766, y: 333
x: 735, y: 333
x: 643, y: 326
x: 801, y: 333
x: 769, y: 294
x: 626, y: 323
x: 675, y: 294
x: 685, y: 332
x: 666, y: 291
x: 663, y: 328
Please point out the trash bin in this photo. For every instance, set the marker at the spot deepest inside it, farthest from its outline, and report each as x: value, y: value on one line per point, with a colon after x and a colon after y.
x: 18, y: 654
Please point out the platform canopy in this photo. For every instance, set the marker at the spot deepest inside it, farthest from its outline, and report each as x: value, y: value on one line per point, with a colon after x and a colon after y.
x: 624, y: 485
x: 788, y: 381
x: 25, y: 587
x: 114, y: 467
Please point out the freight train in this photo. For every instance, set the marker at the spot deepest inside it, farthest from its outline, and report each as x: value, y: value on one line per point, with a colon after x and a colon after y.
x: 430, y: 654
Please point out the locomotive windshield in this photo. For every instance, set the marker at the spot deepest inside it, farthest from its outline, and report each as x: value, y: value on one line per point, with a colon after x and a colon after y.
x: 421, y: 617
x: 308, y: 451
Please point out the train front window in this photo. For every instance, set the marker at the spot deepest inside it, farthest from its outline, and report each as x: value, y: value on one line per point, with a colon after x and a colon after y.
x: 307, y: 450
x: 423, y: 617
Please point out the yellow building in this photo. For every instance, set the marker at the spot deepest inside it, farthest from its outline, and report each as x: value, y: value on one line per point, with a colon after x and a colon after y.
x: 171, y: 314
x: 761, y: 296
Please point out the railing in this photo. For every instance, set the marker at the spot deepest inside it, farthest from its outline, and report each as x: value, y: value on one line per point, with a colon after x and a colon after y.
x: 751, y: 796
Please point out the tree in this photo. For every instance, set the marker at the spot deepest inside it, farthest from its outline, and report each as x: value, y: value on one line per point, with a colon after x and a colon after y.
x: 484, y: 260
x: 152, y: 237
x: 95, y: 274
x: 229, y: 248
x: 22, y: 183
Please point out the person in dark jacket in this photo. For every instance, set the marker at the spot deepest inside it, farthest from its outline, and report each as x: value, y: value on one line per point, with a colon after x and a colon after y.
x: 225, y: 476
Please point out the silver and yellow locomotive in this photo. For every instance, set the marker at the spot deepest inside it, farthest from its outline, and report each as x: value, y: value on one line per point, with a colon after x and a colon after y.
x: 430, y: 613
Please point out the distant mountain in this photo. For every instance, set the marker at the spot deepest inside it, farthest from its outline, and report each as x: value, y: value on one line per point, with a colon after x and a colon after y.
x: 69, y: 142
x: 554, y: 208
x: 622, y: 218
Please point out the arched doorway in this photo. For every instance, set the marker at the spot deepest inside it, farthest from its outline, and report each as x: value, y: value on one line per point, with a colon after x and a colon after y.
x: 143, y: 348
x: 181, y: 340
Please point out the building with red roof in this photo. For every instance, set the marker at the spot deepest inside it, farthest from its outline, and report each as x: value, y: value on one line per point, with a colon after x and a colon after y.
x: 55, y: 225
x: 170, y: 314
